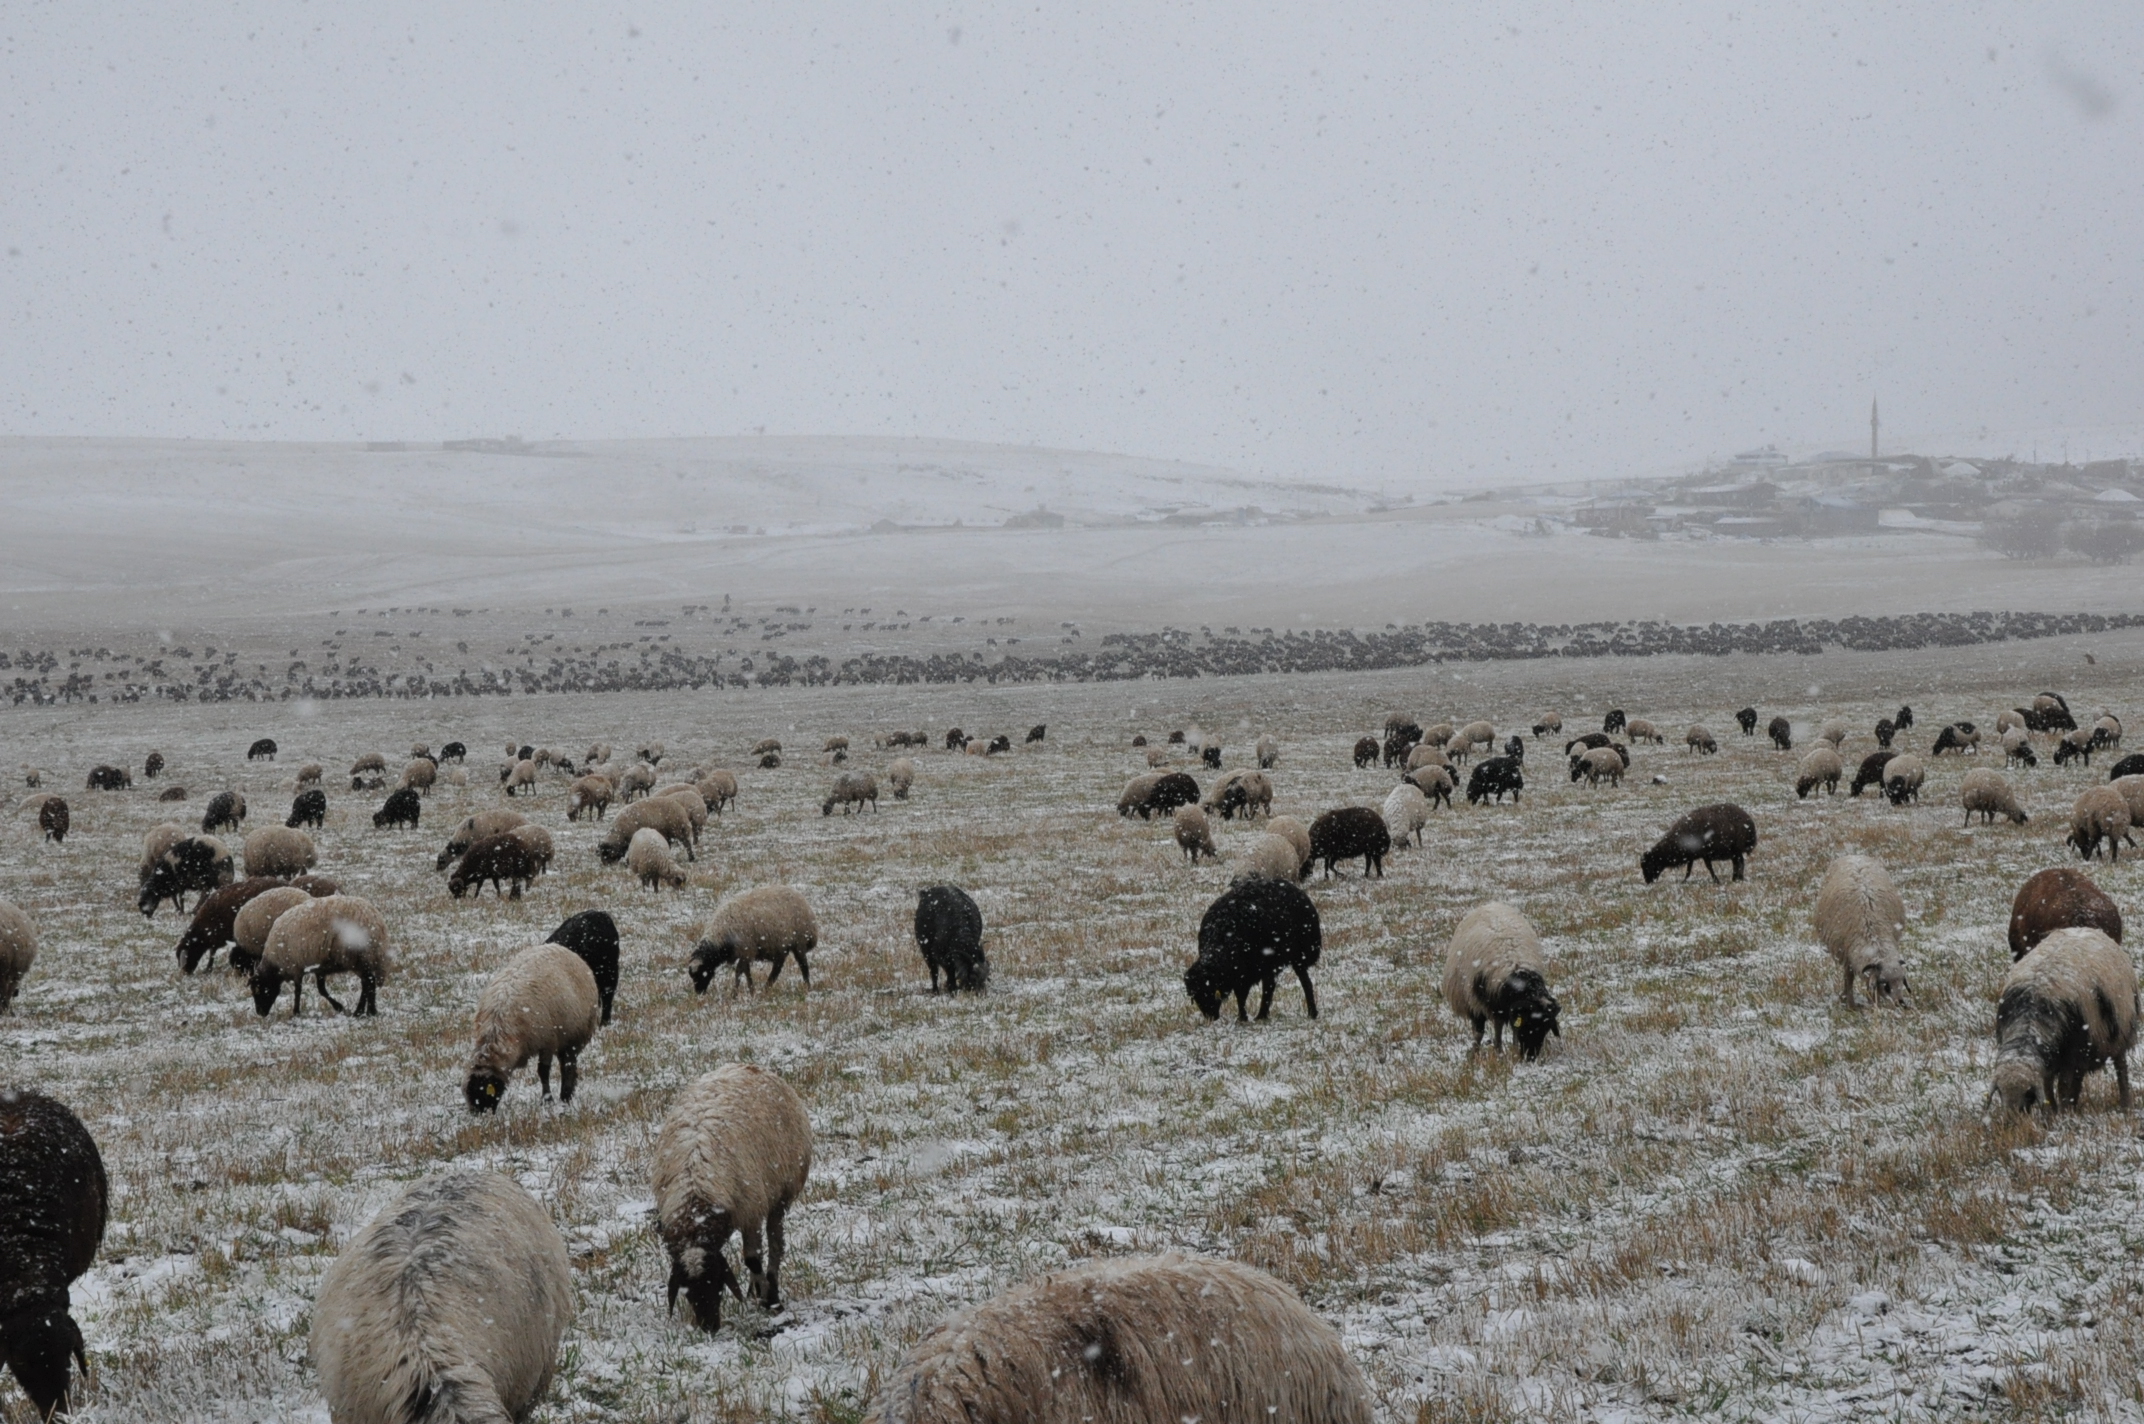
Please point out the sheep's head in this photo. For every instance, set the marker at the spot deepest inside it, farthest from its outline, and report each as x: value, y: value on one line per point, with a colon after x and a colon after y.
x: 1654, y: 861
x: 610, y: 851
x: 1887, y: 979
x: 1199, y: 983
x: 708, y: 956
x: 35, y: 1343
x: 703, y: 1274
x: 267, y: 982
x: 1535, y: 1017
x: 484, y: 1089
x: 2017, y: 1083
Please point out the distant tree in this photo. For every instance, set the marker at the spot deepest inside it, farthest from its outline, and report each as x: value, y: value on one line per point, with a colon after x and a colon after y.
x: 2030, y: 534
x: 2106, y: 541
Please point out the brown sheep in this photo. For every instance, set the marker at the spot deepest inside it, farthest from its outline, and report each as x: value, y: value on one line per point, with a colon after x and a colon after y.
x: 2059, y: 899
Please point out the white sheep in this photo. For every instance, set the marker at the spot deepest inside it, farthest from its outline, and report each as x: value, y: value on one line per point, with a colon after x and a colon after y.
x: 590, y: 794
x: 1194, y: 834
x: 1478, y: 734
x: 1859, y: 918
x: 852, y: 791
x: 521, y: 776
x: 537, y: 841
x: 1640, y: 730
x: 688, y: 796
x: 2017, y: 747
x: 900, y: 776
x: 1136, y: 791
x: 420, y: 775
x: 733, y: 1154
x: 769, y: 923
x: 1434, y: 782
x: 1598, y: 764
x: 637, y: 780
x: 542, y: 1004
x: 1833, y: 731
x: 1406, y: 812
x: 664, y: 813
x: 310, y: 774
x: 18, y: 951
x: 336, y: 934
x: 1273, y: 857
x: 279, y: 852
x: 155, y: 842
x: 1821, y: 766
x: 2132, y: 789
x: 2066, y: 1009
x: 2101, y: 814
x: 480, y: 827
x: 1134, y: 1340
x: 448, y: 1306
x: 1989, y: 794
x: 1438, y: 734
x: 1295, y: 833
x: 647, y: 855
x: 255, y: 918
x: 1701, y: 741
x: 717, y: 788
x: 1423, y: 754
x: 1902, y: 778
x: 1494, y: 973
x: 1457, y: 749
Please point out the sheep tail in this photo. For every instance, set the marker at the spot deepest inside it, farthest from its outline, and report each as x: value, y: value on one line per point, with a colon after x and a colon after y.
x: 456, y: 1394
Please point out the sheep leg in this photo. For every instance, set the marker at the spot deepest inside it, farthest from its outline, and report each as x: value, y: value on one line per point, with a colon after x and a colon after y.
x: 1738, y: 867
x: 1480, y: 1023
x: 1846, y: 986
x: 368, y: 1000
x: 1243, y: 1014
x: 803, y: 967
x: 569, y: 1072
x: 776, y: 972
x: 543, y: 1072
x: 1310, y: 993
x: 688, y: 851
x: 297, y: 994
x: 320, y: 982
x: 934, y: 974
x: 1496, y: 1027
x: 774, y: 1255
x: 1265, y: 999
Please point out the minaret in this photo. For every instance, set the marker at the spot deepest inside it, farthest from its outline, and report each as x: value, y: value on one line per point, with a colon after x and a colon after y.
x: 1872, y: 427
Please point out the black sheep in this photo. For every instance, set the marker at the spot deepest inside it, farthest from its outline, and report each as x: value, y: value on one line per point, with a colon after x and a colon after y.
x: 1781, y: 731
x: 214, y: 918
x: 53, y: 1206
x: 1003, y: 743
x: 1871, y: 772
x: 2055, y: 718
x: 955, y: 739
x: 1036, y: 732
x: 1904, y: 719
x: 2067, y: 751
x: 1494, y: 777
x: 1174, y: 790
x: 191, y: 865
x: 1589, y: 741
x: 262, y: 750
x: 1176, y: 738
x: 225, y: 808
x: 172, y: 793
x: 453, y: 751
x: 1746, y: 719
x: 593, y: 935
x: 1365, y: 752
x: 1399, y: 741
x: 529, y: 754
x: 1347, y: 832
x: 401, y: 808
x: 1515, y: 749
x: 498, y: 859
x: 1957, y: 737
x: 1256, y: 929
x: 949, y: 932
x: 1614, y: 721
x: 2131, y: 765
x: 53, y: 820
x: 153, y: 767
x: 308, y: 808
x: 109, y: 778
x: 1720, y: 832
x: 1211, y: 756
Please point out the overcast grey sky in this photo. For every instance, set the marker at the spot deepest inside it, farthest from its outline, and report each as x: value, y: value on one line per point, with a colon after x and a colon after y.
x: 1416, y: 245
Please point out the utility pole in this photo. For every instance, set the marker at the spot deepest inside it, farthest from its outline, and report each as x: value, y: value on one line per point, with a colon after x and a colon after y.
x: 1872, y: 427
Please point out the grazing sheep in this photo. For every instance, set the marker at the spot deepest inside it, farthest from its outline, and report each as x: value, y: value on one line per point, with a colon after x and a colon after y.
x: 215, y: 922
x: 542, y: 1004
x: 279, y: 852
x: 2075, y: 745
x: 1986, y: 792
x: 1781, y: 731
x: 2107, y: 732
x: 447, y: 1307
x: 157, y: 840
x: 1494, y: 973
x: 688, y: 795
x: 900, y: 776
x: 252, y: 921
x: 1960, y: 737
x: 2016, y: 719
x: 262, y: 750
x: 1439, y: 734
x: 1130, y: 1341
x: 591, y: 794
x: 718, y: 788
x: 1167, y: 792
x: 54, y: 1201
x: 1596, y: 764
x: 1833, y: 731
x: 1426, y: 755
x: 1746, y: 719
x: 1859, y: 919
x: 1902, y: 778
x: 1547, y: 724
x: 654, y: 752
x: 733, y: 1154
x: 1406, y: 812
x: 308, y: 808
x: 835, y: 744
x: 1587, y: 741
x: 771, y: 923
x: 1210, y: 754
x: 2017, y: 748
x: 152, y: 766
x: 337, y: 934
x: 1139, y: 740
x: 18, y: 951
x: 1036, y: 732
x: 2068, y: 1008
x: 647, y: 856
x: 419, y: 776
x: 852, y: 790
x: 1820, y: 767
x: 401, y: 808
x: 172, y: 793
x: 370, y: 764
x: 482, y: 826
x: 1274, y: 857
x: 949, y: 932
x: 1297, y: 834
x: 1135, y: 794
x: 1698, y: 740
x: 1871, y: 771
x: 1176, y: 738
x: 955, y: 739
x: 1241, y: 792
x: 2131, y: 765
x: 1157, y: 756
x: 1723, y: 831
x: 593, y: 935
x: 2059, y: 899
x: 1614, y: 722
x: 502, y: 860
x: 1258, y: 927
x: 1493, y: 778
x: 1366, y: 752
x: 2050, y: 714
x: 453, y: 751
x: 1194, y: 834
x: 637, y: 780
x: 1478, y: 734
x: 663, y: 813
x: 226, y: 810
x: 2132, y: 789
x: 109, y: 778
x: 521, y: 776
x: 537, y: 842
x: 1886, y: 729
x: 197, y: 864
x: 53, y: 819
x: 1268, y: 751
x: 1399, y: 741
x: 2101, y: 814
x: 1640, y: 730
x: 1347, y: 832
x: 1903, y: 718
x: 1435, y: 782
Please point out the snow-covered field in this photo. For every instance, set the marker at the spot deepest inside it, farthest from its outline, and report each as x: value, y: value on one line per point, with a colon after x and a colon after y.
x: 1719, y: 1194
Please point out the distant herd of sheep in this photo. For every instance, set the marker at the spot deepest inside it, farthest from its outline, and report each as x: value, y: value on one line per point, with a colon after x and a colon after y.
x: 451, y: 1303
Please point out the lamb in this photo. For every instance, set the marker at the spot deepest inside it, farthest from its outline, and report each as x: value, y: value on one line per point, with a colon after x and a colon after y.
x: 198, y: 864
x: 1596, y: 764
x: 1859, y: 918
x: 1296, y: 834
x: 1347, y: 832
x: 53, y: 820
x: 279, y: 852
x: 1723, y: 831
x: 1241, y: 792
x: 2017, y: 748
x: 1493, y: 778
x: 1268, y: 750
x: 262, y: 750
x: 1902, y: 778
x: 152, y: 766
x: 308, y: 808
x: 1821, y: 767
x: 663, y: 813
x: 338, y: 934
x: 54, y: 1201
x: 253, y: 921
x: 593, y: 935
x: 949, y: 932
x: 1960, y: 737
x: 482, y: 826
x: 900, y: 776
x: 1406, y: 812
x: 109, y: 778
x: 503, y: 860
x: 215, y: 922
x: 1698, y: 740
x: 521, y: 776
x: 2101, y: 814
x: 1833, y: 731
x: 1746, y: 719
x: 1129, y: 1341
x: 852, y: 789
x: 1194, y: 833
x: 1986, y: 792
x: 2059, y: 899
x: 733, y: 1154
x: 647, y: 856
x: 1640, y: 730
x: 1781, y: 731
x: 542, y: 1004
x: 448, y: 1306
x: 1494, y: 973
x: 18, y: 951
x: 419, y: 776
x: 1274, y: 857
x: 1870, y: 772
x: 226, y: 810
x: 2067, y: 1009
x: 771, y: 923
x: 1366, y: 752
x: 1547, y: 724
x: 1258, y: 927
x: 1435, y: 782
x: 401, y: 808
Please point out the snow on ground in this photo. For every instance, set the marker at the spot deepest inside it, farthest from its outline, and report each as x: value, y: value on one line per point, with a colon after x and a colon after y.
x: 1719, y: 1194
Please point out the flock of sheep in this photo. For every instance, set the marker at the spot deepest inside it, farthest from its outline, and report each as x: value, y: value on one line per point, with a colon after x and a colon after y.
x: 451, y: 1303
